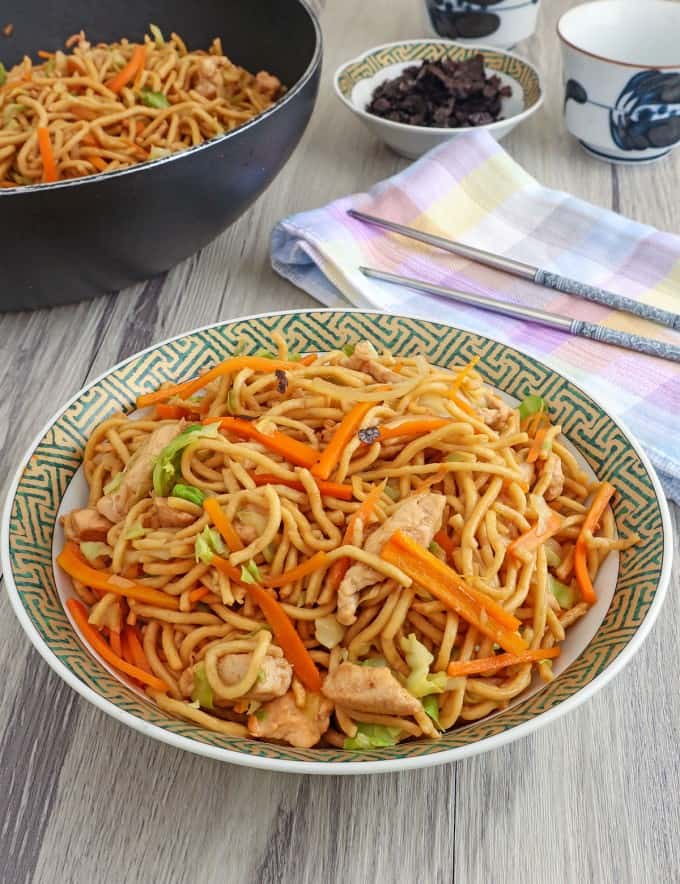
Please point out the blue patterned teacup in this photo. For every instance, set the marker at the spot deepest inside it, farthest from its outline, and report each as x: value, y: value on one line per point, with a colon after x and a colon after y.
x: 622, y: 78
x: 500, y: 23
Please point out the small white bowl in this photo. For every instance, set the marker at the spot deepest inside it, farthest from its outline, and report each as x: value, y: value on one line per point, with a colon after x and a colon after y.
x: 622, y: 78
x: 356, y: 80
x: 500, y: 23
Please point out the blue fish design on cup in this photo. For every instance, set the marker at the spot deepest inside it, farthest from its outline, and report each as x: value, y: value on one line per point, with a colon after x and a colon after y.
x: 488, y: 20
x: 646, y: 114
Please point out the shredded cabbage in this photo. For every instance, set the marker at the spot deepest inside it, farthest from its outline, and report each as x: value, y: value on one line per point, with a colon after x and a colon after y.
x: 328, y: 631
x: 202, y: 692
x: 250, y: 573
x: 436, y: 550
x: 565, y: 595
x: 431, y: 707
x: 167, y: 465
x: 157, y: 153
x: 374, y: 662
x: 265, y: 354
x: 157, y: 34
x: 153, y: 99
x: 3, y: 74
x: 92, y: 550
x: 190, y: 493
x: 531, y: 405
x: 348, y: 349
x: 372, y: 736
x: 208, y: 543
x: 134, y: 532
x: 114, y: 484
x: 420, y: 682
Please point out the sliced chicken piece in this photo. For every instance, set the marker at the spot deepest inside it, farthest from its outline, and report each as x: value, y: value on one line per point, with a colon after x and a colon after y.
x: 137, y: 479
x: 267, y: 84
x: 169, y: 517
x: 556, y: 486
x: 495, y: 413
x: 419, y: 517
x: 281, y: 719
x: 85, y: 524
x: 365, y: 359
x: 274, y: 679
x: 369, y: 689
x: 528, y: 472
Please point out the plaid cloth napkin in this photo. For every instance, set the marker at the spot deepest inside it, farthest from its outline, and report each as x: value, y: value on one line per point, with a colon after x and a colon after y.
x: 470, y: 189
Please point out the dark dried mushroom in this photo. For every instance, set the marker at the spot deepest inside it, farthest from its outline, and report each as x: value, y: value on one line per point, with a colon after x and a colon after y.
x: 447, y: 94
x: 281, y: 380
x: 369, y: 435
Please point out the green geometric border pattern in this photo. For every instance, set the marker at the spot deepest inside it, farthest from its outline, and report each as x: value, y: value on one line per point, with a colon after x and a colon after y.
x: 370, y: 65
x: 601, y: 441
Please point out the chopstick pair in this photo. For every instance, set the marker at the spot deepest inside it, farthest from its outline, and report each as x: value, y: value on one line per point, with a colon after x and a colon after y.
x: 578, y: 327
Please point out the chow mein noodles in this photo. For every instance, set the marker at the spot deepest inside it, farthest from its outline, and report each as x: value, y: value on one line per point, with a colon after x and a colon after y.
x: 345, y: 549
x: 112, y: 105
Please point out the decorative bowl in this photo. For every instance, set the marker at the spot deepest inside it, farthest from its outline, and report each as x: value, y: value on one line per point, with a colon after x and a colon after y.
x: 356, y: 80
x: 631, y: 585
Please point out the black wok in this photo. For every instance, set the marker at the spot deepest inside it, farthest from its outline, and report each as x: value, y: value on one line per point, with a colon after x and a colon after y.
x: 77, y: 239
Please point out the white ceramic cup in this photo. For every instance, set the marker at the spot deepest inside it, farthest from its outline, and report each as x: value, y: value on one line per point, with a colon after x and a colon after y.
x: 622, y: 78
x: 501, y: 23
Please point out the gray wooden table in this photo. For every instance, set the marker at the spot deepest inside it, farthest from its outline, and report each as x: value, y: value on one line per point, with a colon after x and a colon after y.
x: 593, y: 798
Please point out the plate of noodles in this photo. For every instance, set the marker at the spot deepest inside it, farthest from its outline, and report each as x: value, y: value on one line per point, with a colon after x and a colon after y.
x: 335, y: 542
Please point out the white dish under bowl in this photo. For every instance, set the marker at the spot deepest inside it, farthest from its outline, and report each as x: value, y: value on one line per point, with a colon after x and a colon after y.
x: 356, y: 81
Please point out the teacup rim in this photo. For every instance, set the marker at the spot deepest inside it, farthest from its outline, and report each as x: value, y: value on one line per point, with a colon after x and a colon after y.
x: 605, y: 58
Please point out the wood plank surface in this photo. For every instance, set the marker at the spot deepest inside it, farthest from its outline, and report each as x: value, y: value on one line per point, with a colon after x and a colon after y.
x: 592, y: 798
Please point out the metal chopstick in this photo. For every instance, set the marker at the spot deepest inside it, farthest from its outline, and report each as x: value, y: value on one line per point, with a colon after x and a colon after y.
x: 592, y: 330
x: 527, y: 271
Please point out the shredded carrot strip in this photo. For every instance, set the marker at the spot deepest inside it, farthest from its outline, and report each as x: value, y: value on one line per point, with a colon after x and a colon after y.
x: 235, y: 363
x: 42, y: 53
x: 284, y: 631
x: 124, y: 76
x: 315, y: 563
x: 344, y: 432
x: 90, y: 140
x: 329, y: 489
x: 115, y: 642
x: 46, y: 154
x: 136, y: 649
x: 463, y: 374
x: 170, y: 412
x: 292, y: 450
x: 98, y: 643
x: 222, y: 523
x: 413, y: 428
x: 126, y: 650
x: 199, y: 593
x: 69, y: 560
x: 140, y: 71
x: 531, y: 540
x: 536, y: 445
x: 461, y: 403
x: 602, y: 497
x: 457, y: 385
x: 500, y: 661
x: 444, y: 584
x: 446, y: 543
x: 307, y: 360
x: 100, y: 164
